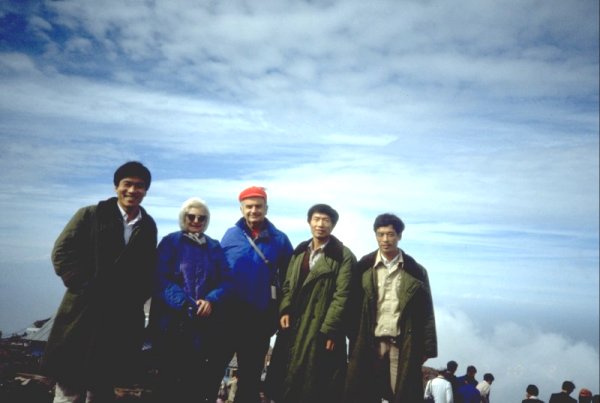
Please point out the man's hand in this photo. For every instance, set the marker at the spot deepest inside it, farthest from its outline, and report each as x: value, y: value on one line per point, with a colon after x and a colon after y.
x: 329, y: 345
x: 204, y: 308
x: 284, y: 321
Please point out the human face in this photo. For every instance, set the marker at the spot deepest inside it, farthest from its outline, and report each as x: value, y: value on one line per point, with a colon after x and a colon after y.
x: 254, y: 210
x: 195, y: 220
x: 130, y: 193
x: 387, y: 239
x: 321, y: 226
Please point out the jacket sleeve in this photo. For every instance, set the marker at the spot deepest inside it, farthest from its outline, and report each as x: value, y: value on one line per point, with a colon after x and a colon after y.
x: 283, y: 260
x: 430, y: 336
x: 287, y: 288
x: 169, y: 287
x: 333, y: 324
x: 72, y: 252
x: 223, y: 290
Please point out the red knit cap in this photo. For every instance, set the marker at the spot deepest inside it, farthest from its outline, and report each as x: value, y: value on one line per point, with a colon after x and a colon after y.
x: 253, y: 191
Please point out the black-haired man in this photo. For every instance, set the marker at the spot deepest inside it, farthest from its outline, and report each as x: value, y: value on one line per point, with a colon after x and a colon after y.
x: 563, y: 396
x: 310, y: 352
x: 106, y: 257
x: 395, y: 331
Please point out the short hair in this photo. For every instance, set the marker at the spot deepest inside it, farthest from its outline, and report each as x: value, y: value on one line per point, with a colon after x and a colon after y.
x: 533, y: 390
x: 383, y: 220
x: 451, y: 366
x: 471, y: 368
x: 189, y: 204
x: 323, y: 209
x: 133, y: 169
x: 568, y: 386
x: 488, y: 377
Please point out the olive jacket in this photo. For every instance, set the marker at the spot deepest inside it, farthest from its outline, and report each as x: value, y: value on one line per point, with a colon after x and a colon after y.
x: 98, y: 330
x: 417, y: 337
x: 317, y: 308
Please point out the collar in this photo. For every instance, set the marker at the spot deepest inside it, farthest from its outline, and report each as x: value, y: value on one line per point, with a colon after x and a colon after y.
x: 320, y: 248
x: 125, y: 217
x: 389, y: 264
x: 200, y: 239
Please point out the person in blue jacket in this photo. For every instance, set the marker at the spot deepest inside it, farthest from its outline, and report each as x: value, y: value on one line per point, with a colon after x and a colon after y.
x: 187, y: 312
x: 258, y: 254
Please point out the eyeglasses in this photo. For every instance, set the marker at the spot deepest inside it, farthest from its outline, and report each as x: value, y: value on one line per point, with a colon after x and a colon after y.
x: 194, y: 217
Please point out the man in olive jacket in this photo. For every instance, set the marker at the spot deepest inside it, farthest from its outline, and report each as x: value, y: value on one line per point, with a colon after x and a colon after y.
x: 309, y: 358
x: 394, y: 332
x: 106, y: 257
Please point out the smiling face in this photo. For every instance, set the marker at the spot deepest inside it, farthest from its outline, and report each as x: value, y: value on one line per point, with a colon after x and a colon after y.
x: 130, y: 193
x: 254, y: 210
x: 195, y: 220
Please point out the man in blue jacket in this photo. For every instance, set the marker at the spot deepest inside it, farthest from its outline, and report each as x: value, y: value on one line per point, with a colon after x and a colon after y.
x: 258, y: 255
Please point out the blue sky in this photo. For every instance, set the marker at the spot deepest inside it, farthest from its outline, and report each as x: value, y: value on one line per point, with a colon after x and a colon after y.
x: 475, y: 121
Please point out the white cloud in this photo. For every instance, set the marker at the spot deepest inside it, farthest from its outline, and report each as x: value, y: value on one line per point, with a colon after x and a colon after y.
x: 515, y: 355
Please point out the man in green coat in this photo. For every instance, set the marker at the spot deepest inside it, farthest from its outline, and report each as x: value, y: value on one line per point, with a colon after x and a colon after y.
x: 394, y: 331
x: 309, y: 358
x: 106, y: 257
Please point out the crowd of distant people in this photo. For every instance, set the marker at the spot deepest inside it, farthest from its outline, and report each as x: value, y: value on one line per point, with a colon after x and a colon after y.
x: 446, y: 387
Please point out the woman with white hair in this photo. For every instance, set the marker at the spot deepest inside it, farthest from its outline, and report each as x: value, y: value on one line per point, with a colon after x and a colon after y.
x: 187, y: 309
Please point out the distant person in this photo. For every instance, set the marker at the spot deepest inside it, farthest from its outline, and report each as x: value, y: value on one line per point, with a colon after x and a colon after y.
x: 585, y: 396
x: 258, y: 255
x: 469, y: 376
x: 106, y: 257
x: 439, y: 389
x: 394, y: 323
x: 187, y: 317
x: 484, y: 387
x: 310, y: 351
x: 563, y: 396
x: 450, y: 375
x: 531, y: 395
x: 467, y: 393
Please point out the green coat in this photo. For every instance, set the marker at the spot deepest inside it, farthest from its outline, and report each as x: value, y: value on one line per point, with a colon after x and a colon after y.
x: 417, y: 334
x: 302, y: 370
x: 98, y: 329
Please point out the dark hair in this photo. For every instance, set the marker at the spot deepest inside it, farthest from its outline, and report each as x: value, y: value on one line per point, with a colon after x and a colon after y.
x: 451, y: 366
x: 471, y: 368
x: 133, y: 169
x: 383, y: 220
x: 323, y: 209
x: 568, y: 386
x: 533, y: 390
x: 488, y: 377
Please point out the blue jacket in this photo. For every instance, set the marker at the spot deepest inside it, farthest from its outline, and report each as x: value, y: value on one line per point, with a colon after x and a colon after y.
x: 187, y: 272
x: 251, y: 276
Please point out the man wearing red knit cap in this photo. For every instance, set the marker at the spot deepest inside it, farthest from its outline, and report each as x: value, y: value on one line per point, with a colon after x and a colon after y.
x: 258, y: 255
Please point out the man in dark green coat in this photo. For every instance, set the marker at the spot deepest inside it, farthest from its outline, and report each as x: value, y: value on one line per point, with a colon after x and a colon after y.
x: 394, y: 331
x: 106, y: 257
x: 309, y: 358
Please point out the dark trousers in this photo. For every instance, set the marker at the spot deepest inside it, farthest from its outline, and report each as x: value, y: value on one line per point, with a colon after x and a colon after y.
x: 250, y: 342
x: 191, y: 368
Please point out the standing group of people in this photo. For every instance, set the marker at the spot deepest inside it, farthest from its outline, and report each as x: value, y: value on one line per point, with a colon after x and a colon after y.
x: 211, y: 300
x: 446, y: 387
x: 564, y: 396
